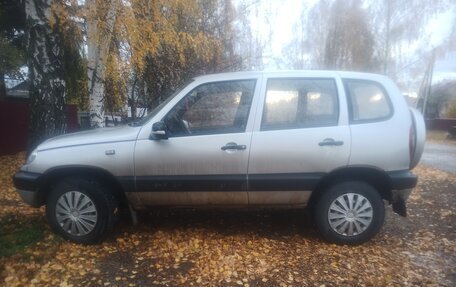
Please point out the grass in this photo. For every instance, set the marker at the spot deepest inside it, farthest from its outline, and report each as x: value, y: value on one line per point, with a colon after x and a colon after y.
x: 17, y: 239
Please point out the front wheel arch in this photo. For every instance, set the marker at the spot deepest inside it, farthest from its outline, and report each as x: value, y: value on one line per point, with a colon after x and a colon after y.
x: 54, y: 175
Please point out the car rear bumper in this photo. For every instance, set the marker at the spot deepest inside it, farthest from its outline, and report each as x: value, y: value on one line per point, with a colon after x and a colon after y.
x: 26, y: 184
x: 402, y: 179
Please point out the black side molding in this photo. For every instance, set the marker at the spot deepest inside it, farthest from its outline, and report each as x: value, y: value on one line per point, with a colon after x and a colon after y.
x: 235, y: 182
x: 232, y: 182
x: 399, y: 180
x: 284, y: 181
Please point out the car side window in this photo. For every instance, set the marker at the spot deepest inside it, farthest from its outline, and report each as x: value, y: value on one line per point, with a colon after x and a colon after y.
x: 213, y: 108
x: 368, y: 101
x: 300, y: 103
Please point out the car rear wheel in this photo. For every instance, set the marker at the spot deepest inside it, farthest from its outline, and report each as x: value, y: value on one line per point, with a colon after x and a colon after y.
x: 81, y: 210
x: 350, y: 212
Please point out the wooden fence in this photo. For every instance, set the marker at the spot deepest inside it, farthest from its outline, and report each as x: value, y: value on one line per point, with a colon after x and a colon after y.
x: 14, y: 125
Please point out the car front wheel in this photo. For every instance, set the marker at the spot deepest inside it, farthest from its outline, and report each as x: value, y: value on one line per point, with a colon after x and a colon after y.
x: 81, y: 210
x: 350, y: 212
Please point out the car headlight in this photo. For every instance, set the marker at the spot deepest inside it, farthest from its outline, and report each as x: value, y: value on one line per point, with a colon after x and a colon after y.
x: 31, y: 157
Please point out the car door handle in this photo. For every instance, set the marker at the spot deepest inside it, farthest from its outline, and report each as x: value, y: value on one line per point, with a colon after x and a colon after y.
x: 330, y: 142
x: 233, y: 146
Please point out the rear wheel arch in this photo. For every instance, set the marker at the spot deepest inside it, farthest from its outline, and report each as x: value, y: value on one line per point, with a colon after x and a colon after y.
x: 375, y: 177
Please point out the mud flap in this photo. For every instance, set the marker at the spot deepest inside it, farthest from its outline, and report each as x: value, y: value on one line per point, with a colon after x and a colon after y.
x: 133, y: 214
x: 400, y: 208
x: 399, y: 201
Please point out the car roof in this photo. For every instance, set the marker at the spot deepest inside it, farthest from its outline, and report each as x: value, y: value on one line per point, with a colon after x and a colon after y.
x: 288, y: 73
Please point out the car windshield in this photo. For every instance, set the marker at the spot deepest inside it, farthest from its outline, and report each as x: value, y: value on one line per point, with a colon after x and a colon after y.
x: 150, y: 115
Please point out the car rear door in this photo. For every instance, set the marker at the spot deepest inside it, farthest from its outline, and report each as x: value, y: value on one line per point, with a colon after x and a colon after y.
x: 301, y: 133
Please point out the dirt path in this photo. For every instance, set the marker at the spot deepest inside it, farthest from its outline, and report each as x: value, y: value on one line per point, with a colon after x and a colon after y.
x: 234, y: 247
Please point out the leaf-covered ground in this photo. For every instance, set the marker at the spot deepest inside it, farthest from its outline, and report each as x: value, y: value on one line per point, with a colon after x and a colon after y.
x: 233, y: 247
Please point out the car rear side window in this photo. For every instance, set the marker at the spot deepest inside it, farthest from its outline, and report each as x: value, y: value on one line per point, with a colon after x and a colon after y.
x: 300, y: 103
x: 368, y: 101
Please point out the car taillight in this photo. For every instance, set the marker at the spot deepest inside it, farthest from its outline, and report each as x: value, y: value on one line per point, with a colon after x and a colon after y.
x: 412, y: 140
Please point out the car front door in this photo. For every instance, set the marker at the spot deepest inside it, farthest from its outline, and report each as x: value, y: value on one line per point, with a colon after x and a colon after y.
x: 204, y: 159
x: 301, y: 134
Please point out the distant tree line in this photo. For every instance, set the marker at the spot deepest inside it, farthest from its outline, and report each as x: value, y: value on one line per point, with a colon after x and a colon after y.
x: 365, y: 35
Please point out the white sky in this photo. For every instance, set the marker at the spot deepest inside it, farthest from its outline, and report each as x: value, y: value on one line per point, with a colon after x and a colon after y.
x: 439, y: 28
x: 287, y: 12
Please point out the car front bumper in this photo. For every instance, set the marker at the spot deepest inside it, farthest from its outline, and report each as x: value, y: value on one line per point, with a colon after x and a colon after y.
x: 26, y: 184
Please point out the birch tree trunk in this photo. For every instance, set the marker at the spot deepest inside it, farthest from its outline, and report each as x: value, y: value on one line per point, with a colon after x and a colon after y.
x: 45, y: 63
x: 387, y: 37
x: 98, y: 40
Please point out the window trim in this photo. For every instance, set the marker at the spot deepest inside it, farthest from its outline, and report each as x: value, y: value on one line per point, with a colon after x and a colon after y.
x: 147, y: 118
x: 255, y: 81
x: 350, y: 104
x: 294, y: 126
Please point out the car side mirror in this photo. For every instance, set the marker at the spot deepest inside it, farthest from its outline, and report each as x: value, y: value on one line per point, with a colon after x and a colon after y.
x: 159, y: 131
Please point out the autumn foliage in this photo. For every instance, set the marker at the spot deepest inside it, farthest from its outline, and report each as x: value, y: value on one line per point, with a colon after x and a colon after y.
x: 146, y: 49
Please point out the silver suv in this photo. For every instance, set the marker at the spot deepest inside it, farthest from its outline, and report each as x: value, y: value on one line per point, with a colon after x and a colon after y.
x: 338, y: 142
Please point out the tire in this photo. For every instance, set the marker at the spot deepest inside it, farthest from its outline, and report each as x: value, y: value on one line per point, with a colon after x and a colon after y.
x: 343, y: 225
x: 81, y: 210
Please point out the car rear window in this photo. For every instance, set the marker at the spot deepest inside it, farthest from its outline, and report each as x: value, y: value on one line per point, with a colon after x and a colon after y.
x: 368, y: 101
x: 300, y: 103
